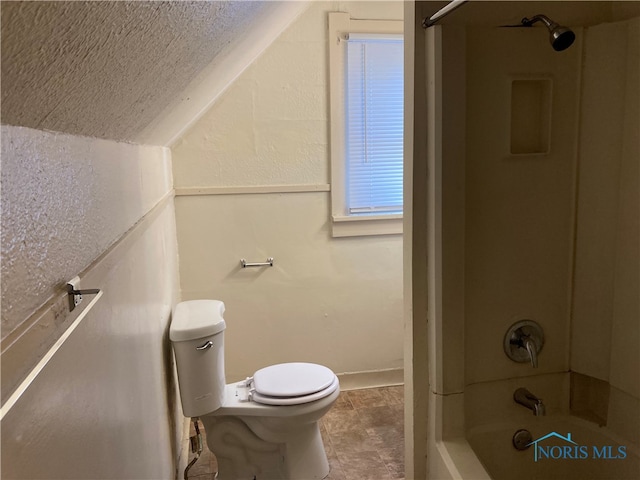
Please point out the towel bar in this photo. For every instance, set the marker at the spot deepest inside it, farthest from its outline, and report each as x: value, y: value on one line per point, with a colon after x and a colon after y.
x: 246, y: 264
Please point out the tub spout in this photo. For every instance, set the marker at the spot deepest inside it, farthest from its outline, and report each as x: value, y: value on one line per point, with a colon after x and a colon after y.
x: 526, y: 398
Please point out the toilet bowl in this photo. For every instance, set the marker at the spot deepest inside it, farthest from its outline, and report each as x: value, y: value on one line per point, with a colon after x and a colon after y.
x: 265, y: 427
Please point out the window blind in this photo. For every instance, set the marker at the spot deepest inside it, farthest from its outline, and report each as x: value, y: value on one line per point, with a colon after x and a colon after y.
x: 374, y: 105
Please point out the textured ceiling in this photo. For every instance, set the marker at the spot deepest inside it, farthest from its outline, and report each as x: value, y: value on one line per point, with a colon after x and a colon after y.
x: 108, y: 69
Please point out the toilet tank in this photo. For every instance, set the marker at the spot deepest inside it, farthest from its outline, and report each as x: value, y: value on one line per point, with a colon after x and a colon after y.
x: 197, y: 336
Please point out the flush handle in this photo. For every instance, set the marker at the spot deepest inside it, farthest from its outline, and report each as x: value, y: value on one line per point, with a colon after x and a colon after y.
x: 206, y: 346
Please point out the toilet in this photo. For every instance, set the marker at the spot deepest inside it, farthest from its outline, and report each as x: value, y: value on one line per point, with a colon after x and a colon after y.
x: 265, y: 427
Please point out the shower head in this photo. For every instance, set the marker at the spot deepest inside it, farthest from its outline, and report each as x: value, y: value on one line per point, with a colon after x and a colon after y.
x: 560, y: 37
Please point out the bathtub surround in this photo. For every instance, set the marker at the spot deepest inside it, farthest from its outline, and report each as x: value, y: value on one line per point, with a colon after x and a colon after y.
x: 252, y: 177
x: 545, y: 231
x: 591, y: 452
x: 104, y: 210
x: 589, y: 398
x: 606, y: 306
x: 519, y: 207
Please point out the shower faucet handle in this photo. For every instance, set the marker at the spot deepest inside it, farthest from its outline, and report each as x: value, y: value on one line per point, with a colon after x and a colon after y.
x: 532, y: 349
x: 523, y: 342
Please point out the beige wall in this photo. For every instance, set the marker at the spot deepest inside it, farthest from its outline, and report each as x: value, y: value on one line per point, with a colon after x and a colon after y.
x: 104, y: 406
x: 332, y: 301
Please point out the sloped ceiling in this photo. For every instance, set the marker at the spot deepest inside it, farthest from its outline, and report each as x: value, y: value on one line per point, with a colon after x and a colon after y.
x: 110, y: 69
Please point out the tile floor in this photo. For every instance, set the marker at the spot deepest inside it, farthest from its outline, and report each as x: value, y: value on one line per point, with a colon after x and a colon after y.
x: 363, y: 435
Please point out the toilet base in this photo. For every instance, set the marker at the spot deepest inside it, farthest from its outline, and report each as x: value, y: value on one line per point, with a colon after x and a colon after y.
x: 305, y: 456
x: 241, y: 454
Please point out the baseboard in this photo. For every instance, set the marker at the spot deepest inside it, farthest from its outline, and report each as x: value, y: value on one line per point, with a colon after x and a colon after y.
x: 371, y: 379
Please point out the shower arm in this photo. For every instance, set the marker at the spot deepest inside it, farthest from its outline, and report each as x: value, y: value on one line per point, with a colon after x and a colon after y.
x: 528, y: 22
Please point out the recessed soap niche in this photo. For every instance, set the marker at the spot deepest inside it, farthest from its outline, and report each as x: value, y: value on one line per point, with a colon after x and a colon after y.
x: 531, y: 115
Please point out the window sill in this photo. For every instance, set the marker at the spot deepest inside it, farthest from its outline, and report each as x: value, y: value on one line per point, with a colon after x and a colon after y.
x: 357, y: 226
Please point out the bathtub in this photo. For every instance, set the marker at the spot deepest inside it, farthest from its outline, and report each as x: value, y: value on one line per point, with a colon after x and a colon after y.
x: 596, y: 453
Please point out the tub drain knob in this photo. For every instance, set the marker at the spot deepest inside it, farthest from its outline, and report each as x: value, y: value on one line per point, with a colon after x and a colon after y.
x: 522, y: 439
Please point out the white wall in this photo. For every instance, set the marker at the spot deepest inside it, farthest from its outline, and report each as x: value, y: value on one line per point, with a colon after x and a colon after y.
x: 105, y: 405
x: 331, y: 301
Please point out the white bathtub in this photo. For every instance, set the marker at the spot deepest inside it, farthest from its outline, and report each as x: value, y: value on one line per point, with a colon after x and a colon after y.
x: 596, y: 453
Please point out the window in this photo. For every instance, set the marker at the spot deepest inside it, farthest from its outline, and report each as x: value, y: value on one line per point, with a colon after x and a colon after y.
x: 367, y: 103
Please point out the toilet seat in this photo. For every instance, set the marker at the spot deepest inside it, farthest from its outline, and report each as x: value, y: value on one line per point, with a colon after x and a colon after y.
x: 292, y: 383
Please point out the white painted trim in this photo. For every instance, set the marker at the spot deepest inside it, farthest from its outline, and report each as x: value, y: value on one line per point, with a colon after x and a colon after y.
x: 340, y: 24
x: 434, y: 212
x: 371, y: 379
x: 363, y: 226
x: 249, y: 189
x: 366, y: 218
x: 414, y: 422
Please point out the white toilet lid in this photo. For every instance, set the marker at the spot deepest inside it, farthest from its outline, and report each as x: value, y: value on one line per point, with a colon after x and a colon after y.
x: 281, y: 401
x: 292, y: 379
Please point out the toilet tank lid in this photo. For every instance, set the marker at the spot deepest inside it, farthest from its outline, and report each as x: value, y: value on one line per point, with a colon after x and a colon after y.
x: 195, y: 319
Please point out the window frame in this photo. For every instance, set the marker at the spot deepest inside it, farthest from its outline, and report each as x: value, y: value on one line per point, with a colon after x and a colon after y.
x: 344, y: 224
